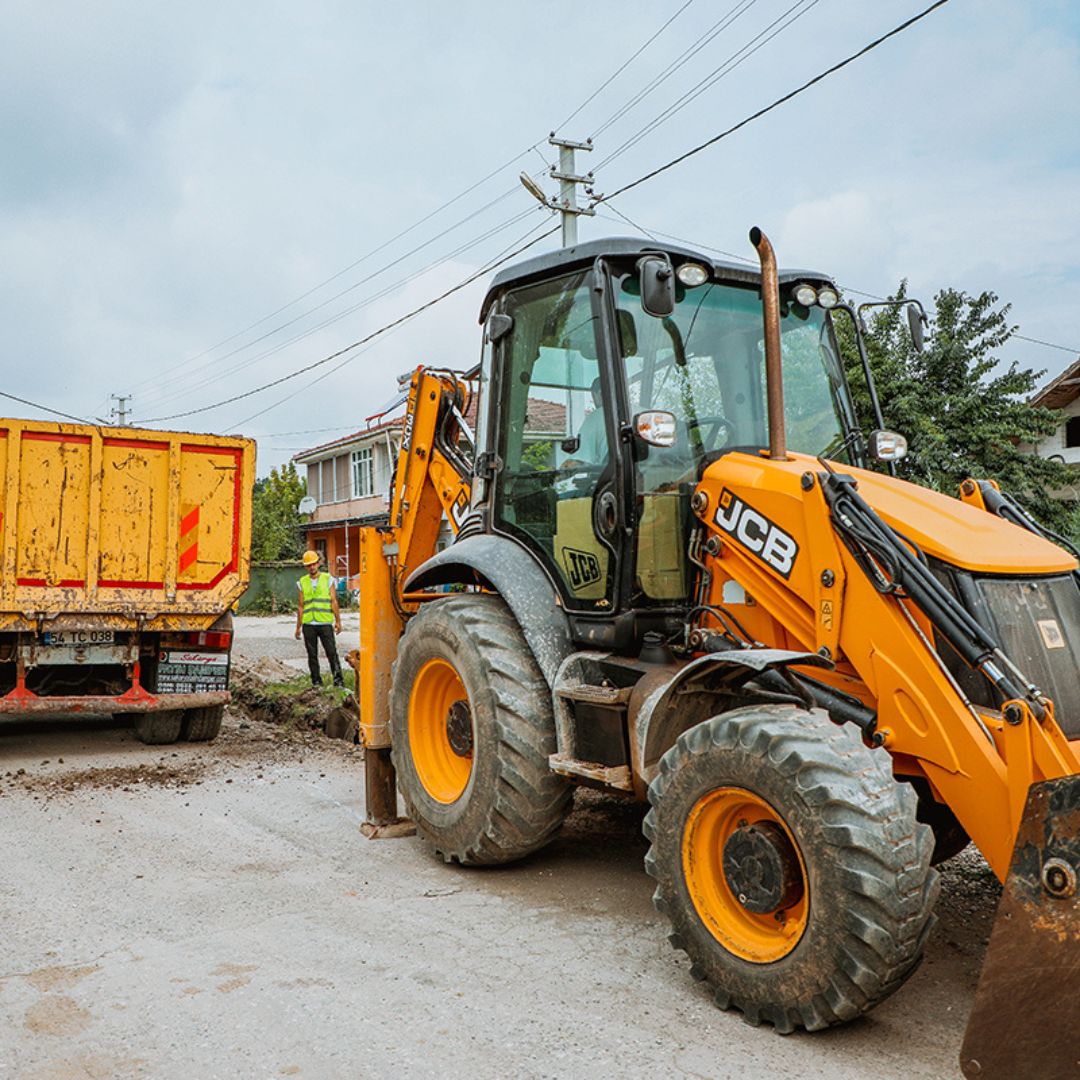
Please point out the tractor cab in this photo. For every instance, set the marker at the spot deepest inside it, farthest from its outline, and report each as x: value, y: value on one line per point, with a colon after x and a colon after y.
x: 613, y: 373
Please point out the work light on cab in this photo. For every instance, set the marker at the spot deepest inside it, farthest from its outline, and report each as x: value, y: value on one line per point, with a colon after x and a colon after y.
x: 692, y: 274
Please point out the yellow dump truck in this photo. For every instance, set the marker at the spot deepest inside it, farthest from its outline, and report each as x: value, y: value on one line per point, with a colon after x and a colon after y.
x: 123, y: 553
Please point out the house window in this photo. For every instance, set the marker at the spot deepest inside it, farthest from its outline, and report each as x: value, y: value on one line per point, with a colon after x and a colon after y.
x: 363, y: 479
x: 313, y: 482
x: 1072, y: 431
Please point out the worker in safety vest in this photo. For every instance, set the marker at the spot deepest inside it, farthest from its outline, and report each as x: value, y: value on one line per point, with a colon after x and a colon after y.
x: 316, y: 611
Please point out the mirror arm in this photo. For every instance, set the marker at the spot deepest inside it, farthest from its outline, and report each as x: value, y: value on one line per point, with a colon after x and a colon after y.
x: 864, y: 359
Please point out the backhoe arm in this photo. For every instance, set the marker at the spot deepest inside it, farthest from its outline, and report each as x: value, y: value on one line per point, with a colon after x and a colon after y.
x: 431, y: 478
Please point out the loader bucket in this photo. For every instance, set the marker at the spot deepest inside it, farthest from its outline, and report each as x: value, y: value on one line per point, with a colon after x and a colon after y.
x: 1026, y: 1017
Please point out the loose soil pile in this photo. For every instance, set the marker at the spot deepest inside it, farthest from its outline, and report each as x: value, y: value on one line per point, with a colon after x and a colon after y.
x: 275, y: 719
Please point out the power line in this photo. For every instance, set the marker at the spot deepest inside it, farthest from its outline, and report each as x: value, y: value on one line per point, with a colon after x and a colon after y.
x: 487, y: 268
x: 363, y: 258
x: 758, y: 41
x: 372, y: 298
x: 1048, y: 344
x: 626, y: 63
x: 777, y: 103
x: 692, y: 50
x: 356, y: 344
x: 185, y: 375
x: 44, y: 408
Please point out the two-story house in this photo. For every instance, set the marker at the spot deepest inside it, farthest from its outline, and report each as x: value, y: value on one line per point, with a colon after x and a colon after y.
x: 349, y: 479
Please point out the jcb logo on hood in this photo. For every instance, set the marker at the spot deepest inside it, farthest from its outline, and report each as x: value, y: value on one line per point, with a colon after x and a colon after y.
x: 755, y: 531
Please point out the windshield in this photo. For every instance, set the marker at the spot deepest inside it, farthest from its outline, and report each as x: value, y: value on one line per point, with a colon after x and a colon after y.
x: 706, y: 365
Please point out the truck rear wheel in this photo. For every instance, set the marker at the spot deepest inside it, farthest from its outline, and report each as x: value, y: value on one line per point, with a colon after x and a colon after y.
x: 791, y: 866
x: 472, y: 728
x: 203, y: 724
x: 158, y: 728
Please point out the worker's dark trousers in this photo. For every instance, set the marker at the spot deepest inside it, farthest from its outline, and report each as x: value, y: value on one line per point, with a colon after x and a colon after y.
x: 313, y: 634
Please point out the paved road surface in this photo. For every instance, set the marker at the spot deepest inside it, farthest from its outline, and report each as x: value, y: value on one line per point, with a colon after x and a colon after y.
x: 213, y: 911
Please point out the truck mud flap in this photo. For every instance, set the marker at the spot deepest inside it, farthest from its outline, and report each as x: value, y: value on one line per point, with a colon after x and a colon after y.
x: 1026, y: 1017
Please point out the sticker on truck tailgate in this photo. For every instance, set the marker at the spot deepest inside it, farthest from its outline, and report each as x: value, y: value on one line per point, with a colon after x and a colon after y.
x: 183, y: 671
x: 203, y: 659
x: 79, y: 637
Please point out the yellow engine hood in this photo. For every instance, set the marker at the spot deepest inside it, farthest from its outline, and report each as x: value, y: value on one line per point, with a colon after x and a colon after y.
x: 956, y: 533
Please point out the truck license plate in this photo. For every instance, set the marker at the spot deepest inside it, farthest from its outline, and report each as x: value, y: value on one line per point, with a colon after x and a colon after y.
x: 80, y: 637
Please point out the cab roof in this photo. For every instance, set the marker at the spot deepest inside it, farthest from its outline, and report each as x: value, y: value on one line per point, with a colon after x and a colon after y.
x: 564, y: 260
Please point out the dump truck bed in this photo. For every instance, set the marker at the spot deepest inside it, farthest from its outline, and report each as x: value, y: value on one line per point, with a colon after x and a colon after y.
x: 121, y: 527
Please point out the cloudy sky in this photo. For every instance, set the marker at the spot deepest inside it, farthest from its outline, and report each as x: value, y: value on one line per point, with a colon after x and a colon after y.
x: 198, y: 199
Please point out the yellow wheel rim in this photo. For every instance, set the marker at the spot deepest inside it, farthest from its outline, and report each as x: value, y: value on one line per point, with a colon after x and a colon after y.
x: 439, y: 701
x: 760, y: 938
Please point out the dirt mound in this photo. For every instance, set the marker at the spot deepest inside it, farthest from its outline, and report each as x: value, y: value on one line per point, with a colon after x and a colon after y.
x: 116, y: 778
x: 266, y: 690
x: 247, y: 674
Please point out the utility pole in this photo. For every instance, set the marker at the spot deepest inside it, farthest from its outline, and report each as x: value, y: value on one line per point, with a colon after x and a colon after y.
x: 120, y: 410
x: 566, y: 173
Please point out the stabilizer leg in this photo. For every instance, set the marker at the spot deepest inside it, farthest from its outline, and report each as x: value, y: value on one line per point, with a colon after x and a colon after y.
x: 380, y: 796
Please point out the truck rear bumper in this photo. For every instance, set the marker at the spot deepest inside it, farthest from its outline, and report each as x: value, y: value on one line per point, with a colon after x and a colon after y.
x: 23, y: 704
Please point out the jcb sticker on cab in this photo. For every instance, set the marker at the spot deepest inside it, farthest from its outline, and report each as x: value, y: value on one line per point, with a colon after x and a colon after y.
x: 582, y: 567
x: 757, y: 533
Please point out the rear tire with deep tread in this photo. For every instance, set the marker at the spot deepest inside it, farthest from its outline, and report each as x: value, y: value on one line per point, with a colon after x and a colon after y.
x: 202, y: 724
x: 159, y: 728
x: 512, y: 804
x: 867, y: 863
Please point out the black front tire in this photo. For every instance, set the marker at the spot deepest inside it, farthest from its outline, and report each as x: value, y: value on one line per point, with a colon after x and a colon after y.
x: 511, y: 804
x: 865, y: 859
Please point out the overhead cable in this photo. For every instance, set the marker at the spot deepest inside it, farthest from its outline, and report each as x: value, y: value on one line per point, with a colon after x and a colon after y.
x: 684, y: 57
x: 356, y: 344
x: 366, y: 301
x: 622, y: 67
x: 363, y: 258
x: 44, y: 408
x: 184, y: 374
x: 758, y: 41
x: 652, y: 174
x: 498, y: 260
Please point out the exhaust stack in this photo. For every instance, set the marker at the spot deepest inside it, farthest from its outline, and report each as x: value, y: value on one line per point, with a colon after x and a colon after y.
x: 774, y: 373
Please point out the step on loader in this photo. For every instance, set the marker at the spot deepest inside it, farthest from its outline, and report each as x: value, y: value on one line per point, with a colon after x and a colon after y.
x: 675, y: 577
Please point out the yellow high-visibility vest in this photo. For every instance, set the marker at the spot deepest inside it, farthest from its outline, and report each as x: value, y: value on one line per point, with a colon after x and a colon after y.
x: 316, y: 594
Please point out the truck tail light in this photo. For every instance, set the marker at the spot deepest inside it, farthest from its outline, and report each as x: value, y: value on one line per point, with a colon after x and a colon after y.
x: 211, y: 639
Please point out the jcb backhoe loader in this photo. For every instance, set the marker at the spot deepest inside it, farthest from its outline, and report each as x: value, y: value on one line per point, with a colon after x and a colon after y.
x: 673, y: 577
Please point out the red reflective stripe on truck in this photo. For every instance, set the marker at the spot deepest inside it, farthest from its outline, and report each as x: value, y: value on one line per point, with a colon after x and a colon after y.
x: 41, y: 583
x: 53, y: 436
x: 136, y: 444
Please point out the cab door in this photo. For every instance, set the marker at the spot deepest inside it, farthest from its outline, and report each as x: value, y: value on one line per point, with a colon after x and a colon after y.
x: 555, y: 489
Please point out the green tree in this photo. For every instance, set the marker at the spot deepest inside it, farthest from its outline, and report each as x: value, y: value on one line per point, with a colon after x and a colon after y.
x: 275, y: 520
x: 961, y: 412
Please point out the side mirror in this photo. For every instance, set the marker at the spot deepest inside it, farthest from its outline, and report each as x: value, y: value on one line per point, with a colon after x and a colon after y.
x: 656, y: 427
x: 887, y: 446
x: 915, y: 324
x: 657, y: 285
